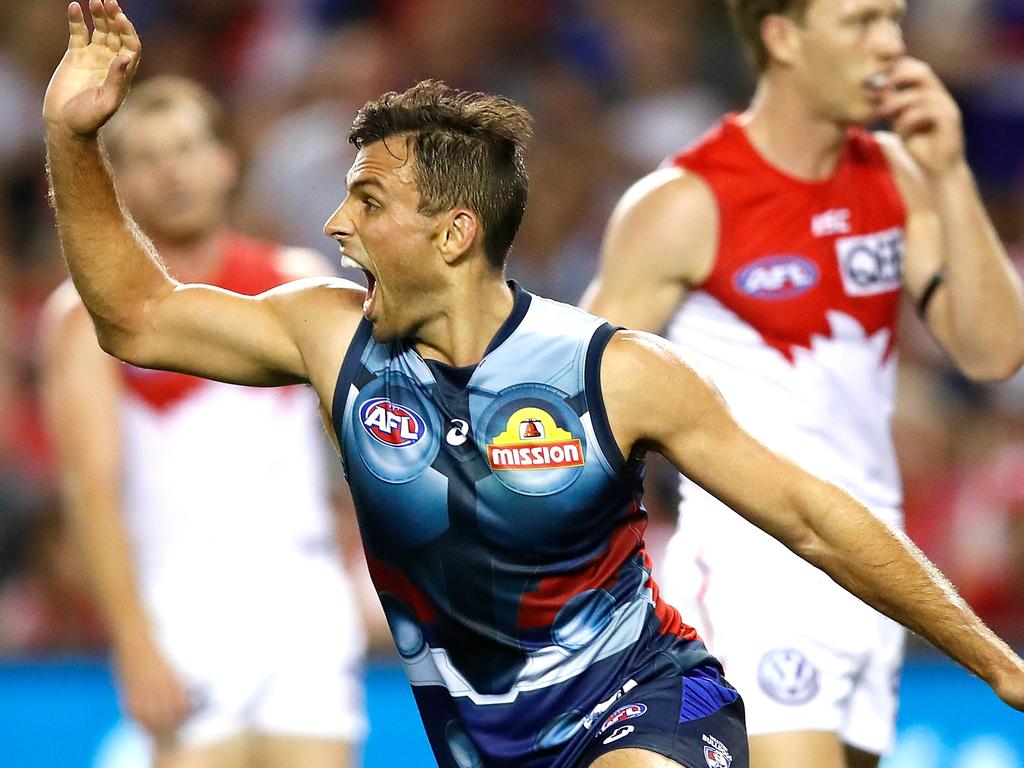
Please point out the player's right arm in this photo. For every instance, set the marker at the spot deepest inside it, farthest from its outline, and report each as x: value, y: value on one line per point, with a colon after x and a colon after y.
x: 81, y: 393
x: 141, y: 314
x: 672, y: 410
x: 661, y: 239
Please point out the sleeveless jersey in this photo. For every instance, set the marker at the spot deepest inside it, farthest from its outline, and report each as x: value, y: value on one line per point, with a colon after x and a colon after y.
x: 795, y: 323
x: 220, y: 475
x: 504, y: 534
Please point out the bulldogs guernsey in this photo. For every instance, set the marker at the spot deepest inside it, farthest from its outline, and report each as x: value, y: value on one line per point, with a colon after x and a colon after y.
x: 795, y: 323
x: 504, y: 534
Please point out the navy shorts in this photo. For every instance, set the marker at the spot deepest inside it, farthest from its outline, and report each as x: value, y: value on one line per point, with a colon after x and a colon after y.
x: 695, y: 719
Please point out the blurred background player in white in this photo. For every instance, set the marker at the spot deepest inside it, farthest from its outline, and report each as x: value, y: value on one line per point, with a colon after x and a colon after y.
x: 204, y: 508
x: 775, y: 251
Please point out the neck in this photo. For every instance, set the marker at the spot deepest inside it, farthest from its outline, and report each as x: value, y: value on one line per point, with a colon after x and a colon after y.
x: 788, y: 134
x: 473, y: 312
x: 191, y: 259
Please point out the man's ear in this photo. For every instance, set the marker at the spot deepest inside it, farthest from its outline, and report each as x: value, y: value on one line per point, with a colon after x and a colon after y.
x: 459, y: 235
x: 780, y: 35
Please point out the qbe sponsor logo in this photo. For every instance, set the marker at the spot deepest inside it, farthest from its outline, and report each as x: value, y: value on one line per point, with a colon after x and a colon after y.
x: 622, y: 714
x: 391, y: 423
x: 774, y: 278
x: 715, y: 752
x: 871, y: 264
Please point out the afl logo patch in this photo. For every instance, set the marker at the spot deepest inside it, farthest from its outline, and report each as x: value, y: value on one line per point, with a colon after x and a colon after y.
x: 532, y: 440
x: 627, y: 712
x: 787, y: 676
x: 390, y: 423
x: 774, y: 278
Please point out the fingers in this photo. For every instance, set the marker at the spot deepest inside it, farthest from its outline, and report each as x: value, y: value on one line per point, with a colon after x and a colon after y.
x: 915, y: 120
x: 100, y: 27
x: 115, y: 86
x: 76, y: 24
x: 908, y: 72
x: 126, y: 30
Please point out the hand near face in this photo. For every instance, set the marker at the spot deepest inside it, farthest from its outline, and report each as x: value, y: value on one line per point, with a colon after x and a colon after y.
x: 924, y: 115
x: 92, y: 79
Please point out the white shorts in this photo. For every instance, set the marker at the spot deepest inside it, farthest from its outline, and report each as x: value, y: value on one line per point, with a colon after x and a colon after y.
x: 277, y: 651
x: 805, y: 654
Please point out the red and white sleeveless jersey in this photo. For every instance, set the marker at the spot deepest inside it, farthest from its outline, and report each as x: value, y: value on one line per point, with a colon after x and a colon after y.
x: 795, y: 323
x: 217, y: 473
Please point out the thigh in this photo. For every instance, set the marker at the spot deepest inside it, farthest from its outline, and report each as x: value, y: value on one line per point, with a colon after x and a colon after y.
x: 694, y: 721
x: 797, y: 749
x: 869, y: 725
x: 299, y: 752
x: 228, y: 753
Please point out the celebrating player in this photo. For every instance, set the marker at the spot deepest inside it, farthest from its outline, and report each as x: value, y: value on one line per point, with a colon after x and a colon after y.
x: 493, y: 439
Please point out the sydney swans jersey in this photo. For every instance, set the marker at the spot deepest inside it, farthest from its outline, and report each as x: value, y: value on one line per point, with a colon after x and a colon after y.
x: 217, y: 473
x: 795, y: 323
x: 504, y: 534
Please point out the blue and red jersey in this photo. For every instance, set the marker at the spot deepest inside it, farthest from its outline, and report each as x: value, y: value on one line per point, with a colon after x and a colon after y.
x: 504, y: 534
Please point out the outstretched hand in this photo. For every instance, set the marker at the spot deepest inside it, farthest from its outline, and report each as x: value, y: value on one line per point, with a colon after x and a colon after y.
x: 92, y: 79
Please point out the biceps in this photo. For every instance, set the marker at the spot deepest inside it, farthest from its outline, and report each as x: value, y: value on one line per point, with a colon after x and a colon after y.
x: 216, y: 334
x: 635, y: 300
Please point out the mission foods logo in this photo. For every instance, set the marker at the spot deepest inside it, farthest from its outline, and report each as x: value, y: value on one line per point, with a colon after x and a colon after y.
x: 532, y: 440
x: 390, y: 423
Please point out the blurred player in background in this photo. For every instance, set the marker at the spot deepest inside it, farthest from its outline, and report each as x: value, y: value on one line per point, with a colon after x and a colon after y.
x: 203, y: 508
x: 775, y: 251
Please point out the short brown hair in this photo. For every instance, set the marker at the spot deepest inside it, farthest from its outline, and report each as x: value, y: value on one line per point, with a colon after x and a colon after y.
x: 747, y: 16
x: 468, y: 150
x: 156, y: 95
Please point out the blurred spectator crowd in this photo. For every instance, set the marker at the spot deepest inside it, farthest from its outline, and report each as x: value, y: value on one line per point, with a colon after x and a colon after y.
x: 614, y: 86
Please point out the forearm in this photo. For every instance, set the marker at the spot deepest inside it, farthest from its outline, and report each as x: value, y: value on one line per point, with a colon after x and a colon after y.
x: 984, y: 304
x: 104, y: 544
x: 112, y: 264
x: 886, y: 570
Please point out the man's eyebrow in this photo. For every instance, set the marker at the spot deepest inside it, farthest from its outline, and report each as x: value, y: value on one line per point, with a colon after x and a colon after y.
x: 365, y: 184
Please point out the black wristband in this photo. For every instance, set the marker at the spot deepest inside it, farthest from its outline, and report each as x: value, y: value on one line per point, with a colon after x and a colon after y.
x: 929, y: 291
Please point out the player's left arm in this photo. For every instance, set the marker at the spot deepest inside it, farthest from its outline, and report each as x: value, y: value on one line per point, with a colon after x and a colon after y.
x: 672, y: 410
x: 955, y: 269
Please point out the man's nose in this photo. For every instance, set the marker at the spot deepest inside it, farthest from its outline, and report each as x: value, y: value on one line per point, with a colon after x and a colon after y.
x: 338, y: 225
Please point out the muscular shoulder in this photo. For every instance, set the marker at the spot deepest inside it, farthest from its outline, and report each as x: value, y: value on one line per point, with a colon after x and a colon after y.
x: 647, y: 385
x: 666, y: 222
x: 323, y: 314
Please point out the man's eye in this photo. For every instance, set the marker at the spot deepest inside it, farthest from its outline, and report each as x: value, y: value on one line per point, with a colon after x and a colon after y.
x: 370, y: 204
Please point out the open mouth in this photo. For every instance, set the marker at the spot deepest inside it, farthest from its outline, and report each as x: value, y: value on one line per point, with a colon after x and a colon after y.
x: 371, y: 293
x: 371, y: 282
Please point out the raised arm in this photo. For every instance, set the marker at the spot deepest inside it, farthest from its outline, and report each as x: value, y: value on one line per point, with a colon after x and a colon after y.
x: 140, y: 313
x: 976, y: 312
x: 81, y: 392
x: 660, y: 240
x: 670, y: 409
